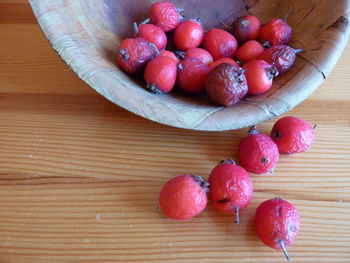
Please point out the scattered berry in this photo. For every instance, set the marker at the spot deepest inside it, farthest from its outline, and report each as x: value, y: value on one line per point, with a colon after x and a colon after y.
x: 249, y: 51
x: 189, y: 34
x: 165, y: 15
x: 220, y: 44
x: 292, y: 135
x: 246, y: 28
x: 183, y: 197
x: 276, y: 32
x: 199, y: 53
x: 152, y: 34
x: 223, y: 60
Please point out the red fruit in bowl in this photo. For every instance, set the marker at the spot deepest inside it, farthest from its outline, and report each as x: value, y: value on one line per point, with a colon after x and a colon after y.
x: 277, y: 223
x: 231, y: 188
x: 292, y: 135
x: 152, y: 34
x: 249, y: 51
x: 220, y: 44
x: 276, y: 32
x: 134, y: 53
x: 258, y: 153
x: 191, y: 75
x: 189, y: 34
x: 226, y: 85
x: 223, y: 60
x: 246, y: 28
x: 170, y: 54
x: 260, y: 75
x: 183, y: 197
x: 199, y: 53
x: 165, y: 15
x: 281, y: 56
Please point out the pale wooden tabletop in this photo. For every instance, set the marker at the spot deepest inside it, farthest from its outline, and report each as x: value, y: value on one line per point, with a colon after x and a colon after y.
x: 80, y: 177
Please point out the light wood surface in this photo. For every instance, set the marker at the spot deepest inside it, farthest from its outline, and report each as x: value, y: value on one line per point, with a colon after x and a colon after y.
x: 80, y: 177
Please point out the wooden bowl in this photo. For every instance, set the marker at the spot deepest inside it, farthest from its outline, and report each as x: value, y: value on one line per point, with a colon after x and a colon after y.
x: 86, y: 33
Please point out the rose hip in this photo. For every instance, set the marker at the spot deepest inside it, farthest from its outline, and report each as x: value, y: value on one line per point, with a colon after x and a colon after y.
x: 170, y: 54
x: 258, y: 153
x: 191, y: 75
x: 246, y: 28
x: 276, y: 32
x: 134, y: 53
x: 199, y: 53
x: 223, y: 60
x: 249, y: 51
x: 152, y: 34
x: 183, y: 197
x: 165, y: 15
x: 277, y: 224
x: 231, y: 188
x: 220, y: 44
x: 292, y: 135
x: 226, y: 85
x: 189, y: 34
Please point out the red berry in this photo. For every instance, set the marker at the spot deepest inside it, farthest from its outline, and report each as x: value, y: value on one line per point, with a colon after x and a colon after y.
x: 292, y: 135
x: 199, y: 53
x: 183, y: 197
x: 223, y: 60
x: 249, y: 51
x: 281, y: 56
x: 220, y: 44
x: 246, y: 28
x: 170, y: 54
x: 258, y: 153
x: 189, y: 34
x: 231, y: 188
x: 277, y: 224
x: 152, y: 34
x: 134, y: 53
x: 165, y: 15
x: 160, y: 74
x: 276, y: 32
x: 259, y: 75
x: 226, y: 85
x: 191, y: 75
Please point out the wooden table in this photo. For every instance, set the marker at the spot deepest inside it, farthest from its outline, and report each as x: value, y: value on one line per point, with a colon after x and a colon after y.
x: 80, y: 177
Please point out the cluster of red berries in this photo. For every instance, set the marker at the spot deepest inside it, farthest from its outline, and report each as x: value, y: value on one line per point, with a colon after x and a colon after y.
x: 210, y: 68
x: 230, y: 188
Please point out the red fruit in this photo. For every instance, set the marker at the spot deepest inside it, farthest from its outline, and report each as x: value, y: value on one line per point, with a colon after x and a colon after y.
x: 281, y: 56
x: 165, y: 15
x: 152, y: 34
x: 246, y: 28
x: 277, y: 224
x: 160, y: 74
x: 199, y: 53
x: 134, y: 53
x: 276, y: 32
x: 170, y: 54
x: 223, y: 60
x: 226, y: 85
x: 183, y: 197
x: 249, y: 51
x: 259, y: 75
x: 258, y: 153
x: 189, y: 34
x: 191, y: 75
x: 231, y: 188
x: 220, y: 44
x: 292, y: 135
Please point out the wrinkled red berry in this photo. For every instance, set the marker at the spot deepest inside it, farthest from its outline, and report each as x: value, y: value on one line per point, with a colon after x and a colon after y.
x: 199, y: 53
x: 134, y: 53
x: 183, y: 197
x: 189, y: 34
x: 259, y: 76
x: 258, y: 153
x: 191, y: 75
x: 220, y: 44
x: 277, y: 224
x: 231, y: 188
x: 292, y: 135
x: 249, y: 51
x: 276, y: 32
x: 223, y: 60
x: 246, y: 28
x: 226, y: 85
x: 170, y: 54
x: 165, y: 15
x: 152, y: 34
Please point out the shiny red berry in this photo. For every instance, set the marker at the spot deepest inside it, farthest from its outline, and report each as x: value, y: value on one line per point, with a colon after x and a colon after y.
x: 170, y: 54
x: 189, y: 34
x: 134, y: 53
x: 165, y: 15
x: 258, y: 153
x: 292, y: 135
x: 260, y: 75
x: 249, y: 51
x: 246, y: 28
x: 220, y: 44
x: 183, y: 197
x: 277, y: 223
x: 231, y: 188
x: 223, y: 60
x: 191, y: 75
x: 152, y: 34
x: 276, y: 32
x: 199, y: 53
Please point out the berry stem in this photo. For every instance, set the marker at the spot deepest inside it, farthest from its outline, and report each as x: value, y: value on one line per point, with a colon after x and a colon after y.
x: 287, y: 14
x: 136, y: 28
x: 284, y: 249
x: 253, y: 130
x: 228, y: 161
x: 146, y: 21
x: 225, y: 25
x: 181, y: 13
x: 298, y: 50
x: 155, y: 48
x: 180, y: 54
x: 237, y: 215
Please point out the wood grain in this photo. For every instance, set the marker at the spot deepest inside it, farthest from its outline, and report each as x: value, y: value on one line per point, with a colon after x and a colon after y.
x: 80, y: 177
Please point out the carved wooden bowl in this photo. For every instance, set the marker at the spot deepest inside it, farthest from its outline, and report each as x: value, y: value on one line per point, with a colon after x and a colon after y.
x: 86, y: 33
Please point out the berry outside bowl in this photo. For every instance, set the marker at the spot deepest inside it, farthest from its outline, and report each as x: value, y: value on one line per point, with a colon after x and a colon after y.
x: 86, y: 33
